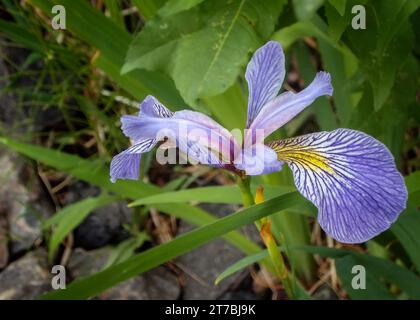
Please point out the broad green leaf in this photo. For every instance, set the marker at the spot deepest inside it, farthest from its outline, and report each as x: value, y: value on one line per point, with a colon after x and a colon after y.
x: 154, y: 45
x: 229, y: 108
x: 68, y: 218
x: 391, y: 122
x: 339, y: 5
x: 175, y: 6
x: 90, y: 286
x: 208, y: 62
x: 304, y: 9
x: 204, y: 48
x: 148, y: 8
x: 380, y: 59
x: 314, y: 28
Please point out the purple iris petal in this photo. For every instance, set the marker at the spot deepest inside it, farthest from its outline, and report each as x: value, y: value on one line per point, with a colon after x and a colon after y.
x: 199, y: 136
x: 265, y: 75
x: 258, y: 159
x: 351, y: 178
x: 153, y: 108
x: 125, y: 165
x: 181, y: 125
x: 286, y: 106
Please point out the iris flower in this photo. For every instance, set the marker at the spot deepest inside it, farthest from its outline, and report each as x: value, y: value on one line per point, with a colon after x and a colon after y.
x: 348, y: 175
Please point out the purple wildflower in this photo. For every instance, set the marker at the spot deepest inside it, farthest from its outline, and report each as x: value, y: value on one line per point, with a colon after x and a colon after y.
x: 350, y: 176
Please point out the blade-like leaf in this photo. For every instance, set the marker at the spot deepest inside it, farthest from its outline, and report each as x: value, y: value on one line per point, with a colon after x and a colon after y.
x: 377, y: 267
x: 214, y: 194
x: 97, y: 173
x: 241, y: 264
x: 68, y: 218
x: 88, y: 287
x: 112, y: 41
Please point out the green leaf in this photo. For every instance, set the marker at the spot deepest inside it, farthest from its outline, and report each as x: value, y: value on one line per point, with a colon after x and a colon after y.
x: 70, y: 217
x: 154, y: 45
x: 375, y: 289
x: 90, y: 286
x: 126, y: 249
x: 304, y: 9
x: 325, y: 115
x: 204, y: 47
x: 148, y: 8
x: 175, y: 6
x: 114, y: 10
x: 208, y: 62
x: 214, y: 194
x: 229, y: 108
x: 339, y: 5
x: 377, y: 267
x: 22, y: 36
x: 241, y: 264
x: 339, y: 15
x: 380, y: 59
x: 412, y: 182
x: 407, y: 229
x: 337, y: 59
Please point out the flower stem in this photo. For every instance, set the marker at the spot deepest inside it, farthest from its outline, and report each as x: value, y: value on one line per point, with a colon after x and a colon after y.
x: 276, y: 261
x: 247, y: 197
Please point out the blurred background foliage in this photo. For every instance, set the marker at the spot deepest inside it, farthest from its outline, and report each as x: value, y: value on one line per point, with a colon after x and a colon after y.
x: 192, y: 54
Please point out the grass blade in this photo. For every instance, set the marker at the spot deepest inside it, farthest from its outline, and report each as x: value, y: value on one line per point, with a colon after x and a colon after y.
x: 90, y: 286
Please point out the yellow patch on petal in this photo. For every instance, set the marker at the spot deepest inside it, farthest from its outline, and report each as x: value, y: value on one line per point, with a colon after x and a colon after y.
x: 289, y: 151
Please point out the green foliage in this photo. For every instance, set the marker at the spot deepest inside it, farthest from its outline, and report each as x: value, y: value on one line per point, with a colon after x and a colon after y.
x: 88, y: 287
x: 194, y: 52
x: 202, y: 48
x: 65, y: 220
x: 378, y: 271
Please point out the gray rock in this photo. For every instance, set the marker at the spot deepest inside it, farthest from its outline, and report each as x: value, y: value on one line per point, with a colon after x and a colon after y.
x: 83, y: 263
x: 4, y: 251
x: 22, y: 201
x: 202, y: 266
x: 27, y: 277
x: 324, y: 292
x: 104, y: 225
x: 158, y: 283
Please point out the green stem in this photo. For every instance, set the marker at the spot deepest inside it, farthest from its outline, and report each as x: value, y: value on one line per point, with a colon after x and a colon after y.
x: 275, y: 263
x: 247, y: 197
